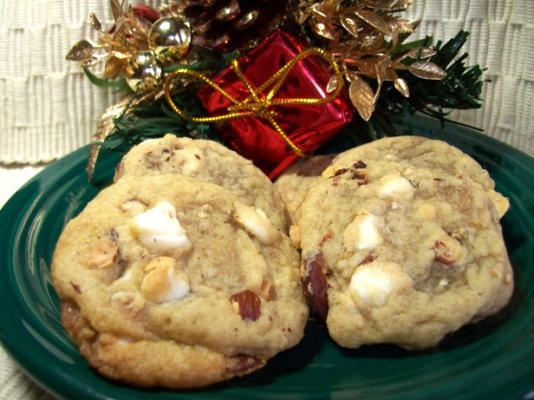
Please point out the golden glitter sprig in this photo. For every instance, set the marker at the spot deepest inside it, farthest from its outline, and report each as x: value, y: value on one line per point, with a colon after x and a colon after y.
x: 364, y: 37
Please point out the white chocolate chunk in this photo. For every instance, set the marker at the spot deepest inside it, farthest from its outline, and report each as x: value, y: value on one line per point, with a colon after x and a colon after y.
x: 163, y: 282
x: 255, y: 222
x: 376, y: 281
x: 363, y: 232
x: 159, y: 229
x: 395, y: 188
x: 191, y: 160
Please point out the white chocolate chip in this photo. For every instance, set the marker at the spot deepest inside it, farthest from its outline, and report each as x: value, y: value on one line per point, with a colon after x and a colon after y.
x: 363, y: 232
x: 443, y: 282
x: 256, y: 223
x: 376, y: 281
x: 191, y: 160
x: 159, y: 229
x: 163, y: 282
x: 395, y: 187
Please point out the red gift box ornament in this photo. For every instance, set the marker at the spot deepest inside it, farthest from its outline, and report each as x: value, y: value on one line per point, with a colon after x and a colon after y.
x: 274, y: 100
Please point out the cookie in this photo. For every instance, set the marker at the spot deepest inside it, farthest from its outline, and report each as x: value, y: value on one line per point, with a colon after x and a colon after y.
x: 426, y: 153
x: 208, y: 161
x: 165, y: 280
x: 293, y: 183
x: 403, y: 256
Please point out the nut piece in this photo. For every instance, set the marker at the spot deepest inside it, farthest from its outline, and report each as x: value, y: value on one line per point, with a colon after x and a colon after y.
x: 426, y: 211
x: 132, y: 207
x: 244, y: 364
x: 316, y: 285
x: 159, y: 229
x: 294, y: 236
x: 268, y: 290
x: 247, y: 304
x: 101, y: 254
x: 449, y: 251
x: 162, y: 283
x: 132, y: 303
x: 254, y: 221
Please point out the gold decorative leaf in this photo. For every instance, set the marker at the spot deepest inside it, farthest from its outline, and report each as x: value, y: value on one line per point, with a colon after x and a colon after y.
x: 325, y: 30
x: 81, y: 51
x: 427, y: 70
x: 426, y: 52
x: 362, y: 98
x: 332, y: 84
x: 350, y: 23
x: 402, y: 4
x: 105, y: 127
x: 419, y: 53
x: 95, y: 23
x: 373, y: 19
x: 114, y: 66
x: 139, y: 26
x: 116, y: 9
x: 382, y: 67
x: 402, y: 87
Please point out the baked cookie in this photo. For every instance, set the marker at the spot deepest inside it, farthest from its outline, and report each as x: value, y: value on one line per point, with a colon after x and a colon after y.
x: 403, y: 257
x: 422, y: 152
x: 165, y: 280
x: 293, y: 183
x: 207, y: 161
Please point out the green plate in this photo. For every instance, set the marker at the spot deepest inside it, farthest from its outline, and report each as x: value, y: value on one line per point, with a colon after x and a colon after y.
x: 492, y: 359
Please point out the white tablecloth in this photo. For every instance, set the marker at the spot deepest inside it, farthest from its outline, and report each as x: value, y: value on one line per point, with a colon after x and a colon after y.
x: 14, y: 384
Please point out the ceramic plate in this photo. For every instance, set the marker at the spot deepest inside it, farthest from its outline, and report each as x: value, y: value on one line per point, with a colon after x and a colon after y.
x: 492, y: 359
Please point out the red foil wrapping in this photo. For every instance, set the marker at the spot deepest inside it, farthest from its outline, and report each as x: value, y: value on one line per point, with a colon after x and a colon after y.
x: 308, y: 126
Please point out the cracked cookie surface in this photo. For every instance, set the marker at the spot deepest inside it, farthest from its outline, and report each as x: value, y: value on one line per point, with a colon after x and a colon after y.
x: 165, y: 280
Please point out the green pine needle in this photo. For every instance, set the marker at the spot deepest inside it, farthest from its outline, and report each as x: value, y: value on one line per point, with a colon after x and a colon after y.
x: 461, y: 89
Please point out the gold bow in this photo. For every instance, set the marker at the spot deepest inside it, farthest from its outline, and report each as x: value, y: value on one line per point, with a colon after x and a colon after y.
x: 255, y: 104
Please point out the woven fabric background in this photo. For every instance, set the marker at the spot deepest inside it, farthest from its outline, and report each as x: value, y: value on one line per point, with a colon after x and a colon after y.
x: 48, y: 107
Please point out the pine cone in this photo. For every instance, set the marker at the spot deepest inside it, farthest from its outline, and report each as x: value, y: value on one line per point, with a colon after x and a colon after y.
x: 225, y: 25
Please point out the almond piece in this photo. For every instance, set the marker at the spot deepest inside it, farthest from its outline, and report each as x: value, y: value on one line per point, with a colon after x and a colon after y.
x: 163, y: 282
x: 132, y: 303
x: 133, y: 207
x: 247, y: 304
x: 267, y: 289
x: 101, y: 254
x: 316, y: 285
x: 448, y: 250
x: 243, y: 364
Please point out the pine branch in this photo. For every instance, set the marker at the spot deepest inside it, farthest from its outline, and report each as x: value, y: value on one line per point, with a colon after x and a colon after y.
x: 461, y: 88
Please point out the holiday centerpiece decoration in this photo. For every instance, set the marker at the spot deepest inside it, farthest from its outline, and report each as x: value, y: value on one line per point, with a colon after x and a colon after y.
x: 272, y: 81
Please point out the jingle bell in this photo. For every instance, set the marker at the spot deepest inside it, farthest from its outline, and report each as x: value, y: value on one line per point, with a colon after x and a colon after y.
x: 143, y: 66
x: 170, y: 37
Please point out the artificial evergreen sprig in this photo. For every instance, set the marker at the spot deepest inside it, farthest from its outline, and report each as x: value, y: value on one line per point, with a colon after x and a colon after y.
x: 461, y: 88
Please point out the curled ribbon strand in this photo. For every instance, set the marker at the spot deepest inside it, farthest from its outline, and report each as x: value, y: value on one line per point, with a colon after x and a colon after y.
x: 256, y: 104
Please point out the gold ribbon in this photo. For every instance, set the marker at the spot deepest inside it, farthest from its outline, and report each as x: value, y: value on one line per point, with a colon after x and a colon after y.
x: 255, y: 104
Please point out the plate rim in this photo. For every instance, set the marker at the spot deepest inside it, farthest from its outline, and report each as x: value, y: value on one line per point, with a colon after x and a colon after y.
x: 45, y: 179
